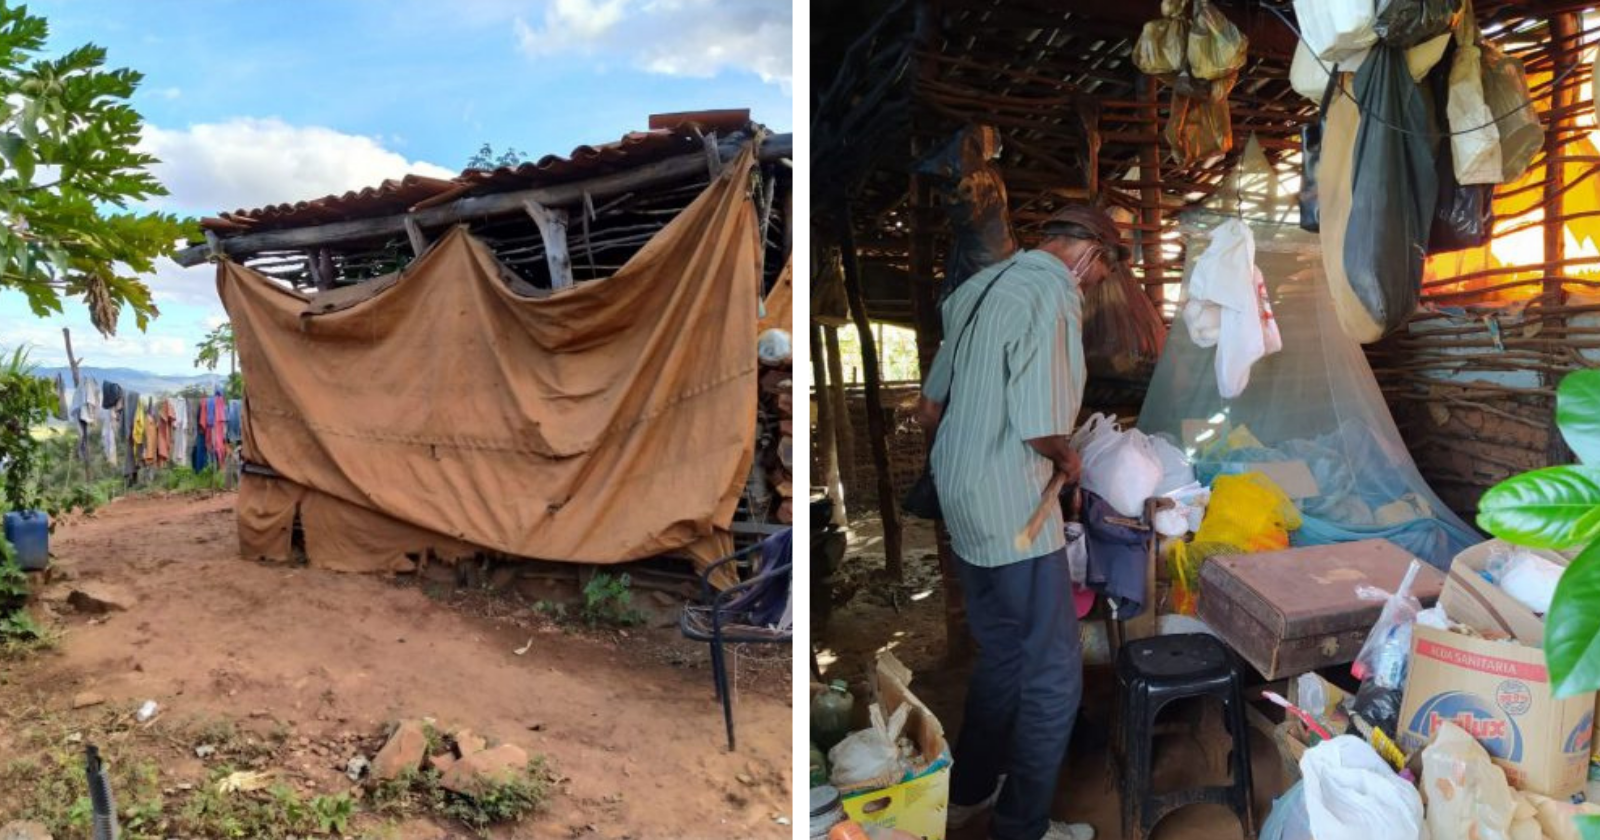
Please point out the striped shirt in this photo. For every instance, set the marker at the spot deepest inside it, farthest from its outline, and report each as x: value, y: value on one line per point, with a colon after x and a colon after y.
x: 1019, y: 376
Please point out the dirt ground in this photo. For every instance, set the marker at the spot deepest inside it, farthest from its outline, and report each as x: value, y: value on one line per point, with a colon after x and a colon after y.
x: 909, y: 619
x: 626, y: 718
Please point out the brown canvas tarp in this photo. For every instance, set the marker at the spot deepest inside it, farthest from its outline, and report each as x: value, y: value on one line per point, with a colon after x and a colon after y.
x: 779, y: 303
x: 603, y: 423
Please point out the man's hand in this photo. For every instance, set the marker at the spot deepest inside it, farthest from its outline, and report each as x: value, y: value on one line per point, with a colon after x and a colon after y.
x: 1060, y: 453
x: 929, y: 413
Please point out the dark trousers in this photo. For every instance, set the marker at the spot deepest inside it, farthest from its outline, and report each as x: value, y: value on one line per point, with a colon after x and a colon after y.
x: 1024, y: 693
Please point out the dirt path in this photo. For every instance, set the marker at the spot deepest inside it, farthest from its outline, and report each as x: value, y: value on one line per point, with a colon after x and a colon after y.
x: 333, y: 657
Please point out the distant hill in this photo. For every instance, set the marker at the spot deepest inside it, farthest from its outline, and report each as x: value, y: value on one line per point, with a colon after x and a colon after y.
x: 137, y: 380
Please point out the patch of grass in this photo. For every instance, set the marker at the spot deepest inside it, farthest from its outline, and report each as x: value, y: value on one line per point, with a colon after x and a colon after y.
x: 276, y: 813
x: 54, y: 791
x: 504, y: 800
x: 419, y: 792
x: 608, y: 600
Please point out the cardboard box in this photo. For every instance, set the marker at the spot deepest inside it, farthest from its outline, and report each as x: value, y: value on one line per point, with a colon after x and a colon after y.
x: 1470, y: 599
x: 1499, y: 692
x: 918, y: 805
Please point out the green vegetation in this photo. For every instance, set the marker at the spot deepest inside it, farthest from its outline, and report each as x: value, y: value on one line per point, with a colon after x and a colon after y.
x: 70, y: 117
x: 18, y: 630
x: 25, y: 402
x: 608, y: 601
x: 509, y: 799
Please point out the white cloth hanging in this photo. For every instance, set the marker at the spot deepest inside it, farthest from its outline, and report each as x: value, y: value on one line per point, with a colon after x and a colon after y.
x: 1225, y: 306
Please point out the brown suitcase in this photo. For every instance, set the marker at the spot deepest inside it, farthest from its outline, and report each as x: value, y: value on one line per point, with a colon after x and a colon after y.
x: 1293, y: 611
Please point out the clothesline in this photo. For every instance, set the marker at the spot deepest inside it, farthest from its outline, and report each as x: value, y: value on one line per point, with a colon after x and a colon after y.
x: 154, y: 431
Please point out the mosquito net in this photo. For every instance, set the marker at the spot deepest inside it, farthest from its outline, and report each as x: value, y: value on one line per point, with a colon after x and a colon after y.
x: 1312, y: 416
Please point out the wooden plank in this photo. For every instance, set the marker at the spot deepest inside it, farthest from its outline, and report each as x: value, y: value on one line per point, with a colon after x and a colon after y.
x: 419, y: 243
x: 649, y: 176
x: 552, y: 222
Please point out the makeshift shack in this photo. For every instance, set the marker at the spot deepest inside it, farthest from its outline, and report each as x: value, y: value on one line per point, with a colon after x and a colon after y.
x: 1419, y: 290
x: 556, y: 360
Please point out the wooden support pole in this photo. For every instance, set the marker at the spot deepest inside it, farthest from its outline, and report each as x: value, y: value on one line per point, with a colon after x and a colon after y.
x: 77, y: 383
x: 1563, y: 29
x: 552, y: 222
x: 419, y: 243
x: 877, y: 429
x: 844, y: 432
x: 827, y: 429
x: 1150, y: 203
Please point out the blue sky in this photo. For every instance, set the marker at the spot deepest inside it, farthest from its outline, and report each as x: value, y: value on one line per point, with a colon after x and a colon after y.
x: 251, y: 103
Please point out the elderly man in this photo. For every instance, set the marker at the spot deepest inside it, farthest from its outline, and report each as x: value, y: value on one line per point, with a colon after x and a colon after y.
x: 1004, y: 393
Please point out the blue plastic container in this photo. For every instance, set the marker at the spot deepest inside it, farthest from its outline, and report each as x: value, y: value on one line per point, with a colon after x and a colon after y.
x: 28, y: 531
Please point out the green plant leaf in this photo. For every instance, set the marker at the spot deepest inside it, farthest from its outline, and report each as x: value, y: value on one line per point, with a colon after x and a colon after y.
x: 1578, y: 413
x: 1572, y: 627
x: 1588, y: 827
x: 1556, y: 507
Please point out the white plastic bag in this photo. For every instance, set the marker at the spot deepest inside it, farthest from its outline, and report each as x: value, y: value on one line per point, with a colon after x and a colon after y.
x: 1122, y: 468
x: 1468, y: 798
x: 1176, y: 471
x: 1077, y: 554
x: 1529, y: 578
x: 1225, y: 306
x: 1351, y: 794
x: 1475, y: 153
x: 1337, y: 29
x: 871, y: 756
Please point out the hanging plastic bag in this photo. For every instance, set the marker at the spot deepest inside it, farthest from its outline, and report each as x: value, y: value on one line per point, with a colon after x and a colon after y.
x: 1407, y: 23
x: 1468, y: 798
x: 1224, y: 306
x: 871, y: 758
x: 1463, y: 216
x: 1505, y: 90
x: 1198, y: 128
x: 1162, y: 48
x: 1474, y: 138
x: 1351, y: 794
x: 1393, y: 192
x: 974, y: 194
x: 1336, y: 30
x: 1216, y: 47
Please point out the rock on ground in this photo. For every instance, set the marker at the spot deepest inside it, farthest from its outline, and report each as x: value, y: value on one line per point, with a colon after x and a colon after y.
x: 470, y: 774
x: 404, y: 751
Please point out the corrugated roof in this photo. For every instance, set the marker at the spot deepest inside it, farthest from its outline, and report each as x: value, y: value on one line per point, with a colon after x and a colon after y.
x: 670, y: 135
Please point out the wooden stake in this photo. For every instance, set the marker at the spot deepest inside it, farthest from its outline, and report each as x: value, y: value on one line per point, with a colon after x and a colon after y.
x: 877, y: 429
x: 827, y: 433
x: 77, y: 383
x: 843, y: 425
x: 552, y: 222
x: 419, y: 243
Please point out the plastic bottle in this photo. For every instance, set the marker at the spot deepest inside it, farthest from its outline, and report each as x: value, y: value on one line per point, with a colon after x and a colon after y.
x: 819, y: 766
x: 831, y: 711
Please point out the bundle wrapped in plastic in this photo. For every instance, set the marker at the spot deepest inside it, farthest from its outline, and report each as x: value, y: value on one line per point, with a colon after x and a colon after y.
x: 1163, y: 43
x: 1216, y: 47
x: 975, y: 198
x: 873, y: 757
x: 1201, y: 127
x: 1474, y: 137
x: 1505, y: 89
x: 1337, y: 30
x: 1406, y: 23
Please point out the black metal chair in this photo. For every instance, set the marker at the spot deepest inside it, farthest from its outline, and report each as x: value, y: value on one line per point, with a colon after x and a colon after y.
x: 754, y: 610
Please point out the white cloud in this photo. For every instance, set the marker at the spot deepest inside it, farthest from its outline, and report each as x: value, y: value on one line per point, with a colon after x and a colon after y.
x: 193, y: 286
x: 170, y: 93
x: 695, y: 38
x: 249, y: 162
x: 568, y: 24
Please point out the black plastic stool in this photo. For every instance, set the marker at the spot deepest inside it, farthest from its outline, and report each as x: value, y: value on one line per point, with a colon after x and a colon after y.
x: 1152, y: 673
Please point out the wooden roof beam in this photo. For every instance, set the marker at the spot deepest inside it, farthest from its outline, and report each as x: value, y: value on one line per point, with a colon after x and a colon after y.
x: 660, y: 173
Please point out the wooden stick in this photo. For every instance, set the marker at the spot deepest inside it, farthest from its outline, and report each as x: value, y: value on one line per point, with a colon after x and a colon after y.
x: 1052, y: 494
